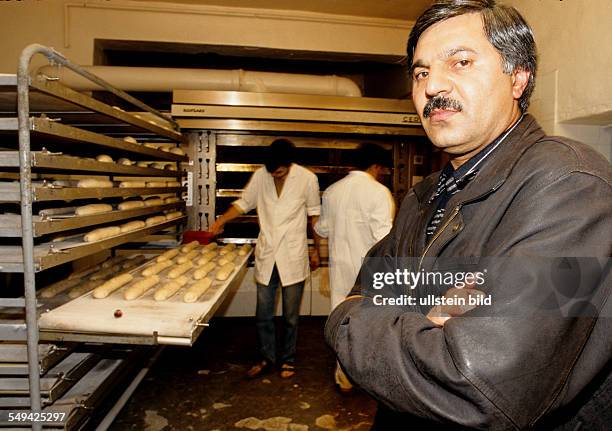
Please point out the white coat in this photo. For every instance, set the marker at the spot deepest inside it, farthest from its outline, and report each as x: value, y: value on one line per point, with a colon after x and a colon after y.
x: 357, y: 212
x: 282, y: 222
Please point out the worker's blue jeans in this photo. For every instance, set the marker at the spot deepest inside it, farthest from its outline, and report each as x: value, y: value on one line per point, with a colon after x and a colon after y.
x: 266, y: 330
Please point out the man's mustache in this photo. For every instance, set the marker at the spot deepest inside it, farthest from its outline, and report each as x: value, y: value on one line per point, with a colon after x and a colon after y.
x: 441, y: 102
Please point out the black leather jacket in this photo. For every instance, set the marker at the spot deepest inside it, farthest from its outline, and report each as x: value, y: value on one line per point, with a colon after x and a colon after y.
x: 497, y: 367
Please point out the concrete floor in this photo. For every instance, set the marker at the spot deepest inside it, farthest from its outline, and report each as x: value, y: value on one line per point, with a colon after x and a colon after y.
x: 203, y: 388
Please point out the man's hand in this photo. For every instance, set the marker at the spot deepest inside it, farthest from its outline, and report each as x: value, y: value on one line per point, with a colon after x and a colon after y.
x: 217, y: 227
x: 439, y: 314
x: 315, y: 261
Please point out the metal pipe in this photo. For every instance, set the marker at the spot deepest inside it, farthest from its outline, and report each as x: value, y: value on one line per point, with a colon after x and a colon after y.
x: 101, y: 84
x: 25, y: 180
x: 164, y: 79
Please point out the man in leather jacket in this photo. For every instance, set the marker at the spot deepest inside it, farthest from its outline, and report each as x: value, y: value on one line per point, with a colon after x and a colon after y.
x: 529, y: 213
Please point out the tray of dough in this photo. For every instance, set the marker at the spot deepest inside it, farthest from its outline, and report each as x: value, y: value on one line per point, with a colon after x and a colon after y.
x: 166, y: 300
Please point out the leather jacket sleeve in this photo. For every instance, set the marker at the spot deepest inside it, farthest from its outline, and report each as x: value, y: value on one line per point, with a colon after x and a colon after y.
x: 498, y: 368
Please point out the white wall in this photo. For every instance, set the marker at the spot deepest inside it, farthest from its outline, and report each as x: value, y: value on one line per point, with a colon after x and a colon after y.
x: 71, y: 28
x: 573, y: 95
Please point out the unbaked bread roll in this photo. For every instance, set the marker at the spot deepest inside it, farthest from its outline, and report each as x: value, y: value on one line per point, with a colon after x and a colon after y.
x: 130, y: 140
x: 227, y: 249
x: 132, y: 225
x: 173, y: 184
x: 180, y: 269
x: 130, y: 205
x: 104, y: 158
x: 171, y: 200
x: 158, y: 165
x: 143, y: 164
x: 244, y: 250
x: 153, y: 202
x: 168, y: 255
x: 157, y: 268
x: 111, y: 285
x: 89, y: 183
x: 155, y: 220
x: 132, y: 184
x: 227, y: 258
x: 204, y: 270
x: 178, y: 151
x: 156, y: 183
x: 171, y: 167
x: 225, y: 271
x: 193, y: 293
x: 102, y: 233
x: 206, y: 257
x: 57, y: 288
x: 93, y: 209
x: 124, y: 161
x: 189, y: 246
x: 174, y: 214
x: 140, y: 287
x: 169, y: 289
x: 151, y: 145
x: 188, y: 256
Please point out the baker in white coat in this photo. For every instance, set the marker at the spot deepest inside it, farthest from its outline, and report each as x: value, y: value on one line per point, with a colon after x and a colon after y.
x: 285, y: 194
x: 357, y: 212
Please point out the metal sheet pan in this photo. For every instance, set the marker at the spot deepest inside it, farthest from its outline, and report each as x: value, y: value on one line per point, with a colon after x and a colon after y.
x: 143, y: 320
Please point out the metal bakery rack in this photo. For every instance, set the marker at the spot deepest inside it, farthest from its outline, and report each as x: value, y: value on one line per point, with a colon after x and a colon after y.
x: 50, y: 137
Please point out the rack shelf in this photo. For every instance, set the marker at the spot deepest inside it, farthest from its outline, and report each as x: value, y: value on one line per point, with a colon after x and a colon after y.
x: 48, y: 255
x: 10, y: 192
x: 43, y: 225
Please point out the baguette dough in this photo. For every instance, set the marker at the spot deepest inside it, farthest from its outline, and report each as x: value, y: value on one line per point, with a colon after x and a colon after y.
x: 225, y: 271
x: 93, y: 209
x: 89, y: 183
x: 105, y: 272
x: 190, y: 246
x: 112, y: 261
x: 129, y: 205
x: 83, y: 273
x: 174, y: 214
x: 204, y: 271
x: 133, y: 262
x: 157, y: 268
x: 227, y: 258
x: 132, y: 225
x: 188, y: 257
x: 104, y: 158
x: 197, y: 289
x: 168, y: 255
x: 180, y: 269
x: 170, y: 288
x: 227, y: 249
x: 79, y: 290
x: 244, y: 250
x: 206, y: 257
x: 102, y: 233
x: 155, y: 220
x: 140, y: 287
x: 57, y: 288
x: 132, y: 184
x: 153, y: 202
x: 111, y: 285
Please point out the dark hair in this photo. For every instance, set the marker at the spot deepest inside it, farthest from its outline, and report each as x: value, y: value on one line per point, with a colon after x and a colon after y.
x: 372, y: 154
x: 504, y: 26
x: 281, y: 152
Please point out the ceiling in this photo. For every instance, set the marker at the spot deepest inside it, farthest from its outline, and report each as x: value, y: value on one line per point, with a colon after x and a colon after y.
x: 394, y: 9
